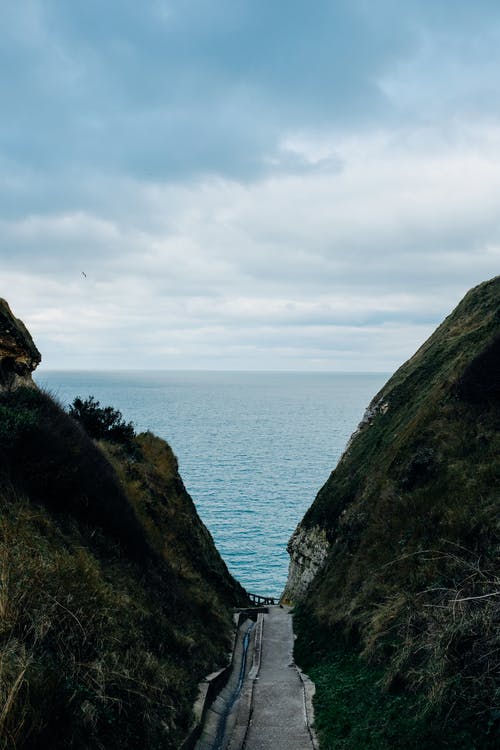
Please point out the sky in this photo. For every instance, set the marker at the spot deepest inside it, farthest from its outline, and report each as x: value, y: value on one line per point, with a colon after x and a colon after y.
x: 246, y: 184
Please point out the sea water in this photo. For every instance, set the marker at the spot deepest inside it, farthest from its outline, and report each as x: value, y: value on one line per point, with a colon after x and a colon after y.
x: 254, y: 448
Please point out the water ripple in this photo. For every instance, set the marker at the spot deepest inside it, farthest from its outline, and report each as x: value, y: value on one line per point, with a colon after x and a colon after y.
x: 253, y: 448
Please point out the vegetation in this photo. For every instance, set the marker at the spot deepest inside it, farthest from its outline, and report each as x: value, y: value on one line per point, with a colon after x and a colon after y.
x: 356, y: 708
x: 411, y: 582
x: 113, y: 599
x: 102, y: 422
x: 352, y: 709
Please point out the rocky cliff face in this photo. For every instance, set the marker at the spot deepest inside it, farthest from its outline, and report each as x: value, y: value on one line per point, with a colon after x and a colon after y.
x: 410, y: 517
x: 309, y: 546
x: 308, y: 550
x: 18, y: 354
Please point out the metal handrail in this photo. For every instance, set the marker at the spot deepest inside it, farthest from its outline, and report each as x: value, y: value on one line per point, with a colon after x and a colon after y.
x: 257, y: 599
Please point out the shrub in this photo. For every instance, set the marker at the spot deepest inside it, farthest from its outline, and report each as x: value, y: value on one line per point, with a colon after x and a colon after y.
x: 102, y: 422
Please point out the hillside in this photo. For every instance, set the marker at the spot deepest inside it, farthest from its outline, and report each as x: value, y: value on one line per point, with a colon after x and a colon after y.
x: 114, y: 601
x: 396, y: 563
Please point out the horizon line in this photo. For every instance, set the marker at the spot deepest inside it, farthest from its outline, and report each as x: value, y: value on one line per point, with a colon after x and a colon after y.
x: 207, y: 370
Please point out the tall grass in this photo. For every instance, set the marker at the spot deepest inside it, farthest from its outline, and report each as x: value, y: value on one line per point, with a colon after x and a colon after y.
x: 107, y: 621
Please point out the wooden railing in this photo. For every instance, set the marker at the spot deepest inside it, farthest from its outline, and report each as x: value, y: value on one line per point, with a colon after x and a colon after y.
x: 256, y: 599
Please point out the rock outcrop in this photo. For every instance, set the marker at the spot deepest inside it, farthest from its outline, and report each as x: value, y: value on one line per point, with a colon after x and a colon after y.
x: 18, y: 354
x: 308, y: 550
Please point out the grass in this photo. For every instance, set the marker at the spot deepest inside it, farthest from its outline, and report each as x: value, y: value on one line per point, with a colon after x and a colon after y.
x: 88, y: 656
x: 353, y: 712
x: 356, y: 707
x: 113, y: 599
x: 411, y: 512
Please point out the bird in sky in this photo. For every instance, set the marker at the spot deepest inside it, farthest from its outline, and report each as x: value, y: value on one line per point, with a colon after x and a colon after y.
x: 84, y: 274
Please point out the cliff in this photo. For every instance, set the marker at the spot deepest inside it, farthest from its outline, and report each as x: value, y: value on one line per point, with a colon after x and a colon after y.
x: 18, y: 353
x: 308, y: 549
x: 404, y: 537
x: 114, y: 601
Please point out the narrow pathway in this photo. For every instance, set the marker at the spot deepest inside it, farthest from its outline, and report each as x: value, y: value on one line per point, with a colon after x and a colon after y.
x: 278, y: 719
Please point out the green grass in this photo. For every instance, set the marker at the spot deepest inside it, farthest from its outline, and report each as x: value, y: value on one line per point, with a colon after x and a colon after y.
x: 356, y: 708
x: 353, y: 712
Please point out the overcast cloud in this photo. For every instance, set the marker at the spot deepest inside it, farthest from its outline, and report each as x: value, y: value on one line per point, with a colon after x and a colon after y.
x: 246, y: 183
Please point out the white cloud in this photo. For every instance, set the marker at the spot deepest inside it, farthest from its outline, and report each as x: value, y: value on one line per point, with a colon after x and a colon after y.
x: 332, y: 270
x: 321, y: 204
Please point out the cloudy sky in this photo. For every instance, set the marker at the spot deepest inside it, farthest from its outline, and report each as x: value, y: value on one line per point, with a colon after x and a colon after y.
x: 247, y: 184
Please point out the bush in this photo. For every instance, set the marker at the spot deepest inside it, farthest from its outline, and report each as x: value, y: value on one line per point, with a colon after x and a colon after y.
x: 102, y: 422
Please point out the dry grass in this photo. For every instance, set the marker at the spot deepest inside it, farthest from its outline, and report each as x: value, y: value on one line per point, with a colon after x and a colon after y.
x: 457, y: 630
x: 103, y: 636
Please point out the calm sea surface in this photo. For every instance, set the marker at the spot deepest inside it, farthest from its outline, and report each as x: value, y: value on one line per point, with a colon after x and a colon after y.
x: 253, y: 448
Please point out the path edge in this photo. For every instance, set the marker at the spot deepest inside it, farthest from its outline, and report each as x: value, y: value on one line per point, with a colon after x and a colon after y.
x: 210, y: 687
x: 308, y: 691
x: 239, y: 735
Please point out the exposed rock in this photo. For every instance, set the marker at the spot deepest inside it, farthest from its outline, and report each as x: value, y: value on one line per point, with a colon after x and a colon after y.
x: 375, y: 407
x: 308, y: 549
x: 18, y: 354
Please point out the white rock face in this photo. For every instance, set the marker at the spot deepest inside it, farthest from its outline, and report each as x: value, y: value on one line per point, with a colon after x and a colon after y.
x: 308, y: 550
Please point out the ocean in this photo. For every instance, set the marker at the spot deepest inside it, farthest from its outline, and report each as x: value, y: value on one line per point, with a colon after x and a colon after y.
x: 254, y: 448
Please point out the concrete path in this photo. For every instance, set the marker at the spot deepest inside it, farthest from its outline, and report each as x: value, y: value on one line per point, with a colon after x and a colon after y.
x: 278, y: 719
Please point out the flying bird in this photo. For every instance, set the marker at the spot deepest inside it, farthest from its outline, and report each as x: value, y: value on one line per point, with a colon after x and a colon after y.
x: 84, y: 274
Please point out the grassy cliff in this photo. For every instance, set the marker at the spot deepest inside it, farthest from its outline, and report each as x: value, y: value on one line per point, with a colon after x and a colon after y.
x: 113, y: 599
x: 403, y: 637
